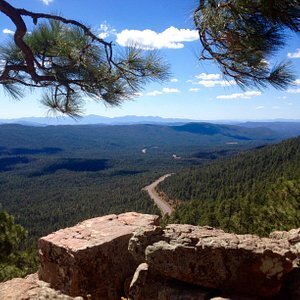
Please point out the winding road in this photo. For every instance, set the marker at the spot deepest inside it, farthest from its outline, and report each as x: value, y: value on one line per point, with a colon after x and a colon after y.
x: 163, y: 205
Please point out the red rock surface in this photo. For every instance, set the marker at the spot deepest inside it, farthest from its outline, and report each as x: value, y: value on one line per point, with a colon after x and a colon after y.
x: 30, y: 288
x: 91, y: 259
x: 211, y: 258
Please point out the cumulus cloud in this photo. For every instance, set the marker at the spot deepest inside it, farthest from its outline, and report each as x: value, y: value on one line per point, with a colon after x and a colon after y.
x: 8, y: 31
x: 245, y: 95
x: 294, y: 91
x: 172, y: 38
x: 165, y: 90
x: 105, y: 30
x: 194, y: 90
x: 295, y: 54
x: 213, y: 83
x: 170, y: 90
x: 205, y: 76
x: 154, y: 93
x: 174, y: 80
x: 47, y: 2
x: 211, y: 80
x: 259, y: 107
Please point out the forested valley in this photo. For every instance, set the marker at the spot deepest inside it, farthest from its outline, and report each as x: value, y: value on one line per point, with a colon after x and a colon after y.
x: 253, y: 192
x: 56, y: 176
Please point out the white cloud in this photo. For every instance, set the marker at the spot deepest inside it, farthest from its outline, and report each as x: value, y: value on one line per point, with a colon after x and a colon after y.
x: 105, y: 30
x: 205, y: 76
x: 259, y: 107
x: 103, y: 35
x: 245, y: 95
x: 211, y: 80
x: 194, y: 90
x: 213, y: 83
x: 282, y: 97
x: 8, y: 31
x: 47, y: 2
x: 295, y: 54
x: 165, y: 90
x: 290, y: 104
x: 297, y: 82
x: 154, y: 93
x: 275, y: 107
x: 172, y: 38
x: 138, y: 94
x: 170, y: 90
x: 294, y: 91
x: 174, y: 80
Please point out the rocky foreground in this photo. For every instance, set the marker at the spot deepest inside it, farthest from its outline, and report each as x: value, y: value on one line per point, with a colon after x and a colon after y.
x: 130, y: 255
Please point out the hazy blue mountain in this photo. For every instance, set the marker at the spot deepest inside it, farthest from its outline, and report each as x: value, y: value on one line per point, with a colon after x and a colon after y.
x: 284, y: 128
x: 233, y: 131
x: 92, y: 119
x: 291, y: 126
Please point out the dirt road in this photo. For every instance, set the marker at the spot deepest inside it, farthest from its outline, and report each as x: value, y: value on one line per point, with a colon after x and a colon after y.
x: 164, y: 206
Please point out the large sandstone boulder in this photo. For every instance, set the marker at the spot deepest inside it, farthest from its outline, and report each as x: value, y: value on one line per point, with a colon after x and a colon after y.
x: 211, y: 258
x: 91, y: 259
x: 30, y: 288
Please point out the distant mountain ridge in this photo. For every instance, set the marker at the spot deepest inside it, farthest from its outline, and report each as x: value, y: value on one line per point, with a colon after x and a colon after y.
x: 234, y: 131
x: 130, y: 119
x: 93, y: 119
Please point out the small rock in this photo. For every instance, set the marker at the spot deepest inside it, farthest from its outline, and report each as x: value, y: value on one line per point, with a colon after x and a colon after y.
x: 30, y: 288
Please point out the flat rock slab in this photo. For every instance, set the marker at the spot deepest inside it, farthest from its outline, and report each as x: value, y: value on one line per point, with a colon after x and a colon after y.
x: 211, y: 258
x: 30, y: 288
x: 91, y: 259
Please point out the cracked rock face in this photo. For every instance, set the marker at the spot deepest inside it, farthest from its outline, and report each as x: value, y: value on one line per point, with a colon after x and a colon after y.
x: 91, y: 259
x: 211, y: 258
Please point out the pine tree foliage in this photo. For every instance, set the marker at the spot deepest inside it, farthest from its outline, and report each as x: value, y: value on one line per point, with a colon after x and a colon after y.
x: 14, y: 261
x: 71, y: 63
x: 253, y: 192
x: 241, y: 36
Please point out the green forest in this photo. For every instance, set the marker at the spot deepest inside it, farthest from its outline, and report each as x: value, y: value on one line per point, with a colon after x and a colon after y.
x: 253, y: 192
x: 56, y: 176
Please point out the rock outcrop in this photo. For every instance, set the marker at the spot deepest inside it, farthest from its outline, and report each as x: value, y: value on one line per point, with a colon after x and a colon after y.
x: 91, y: 259
x: 130, y: 255
x: 30, y: 288
x: 211, y: 258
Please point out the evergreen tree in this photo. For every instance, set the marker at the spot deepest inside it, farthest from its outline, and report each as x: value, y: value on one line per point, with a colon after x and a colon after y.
x: 14, y: 261
x: 69, y: 61
x: 241, y: 35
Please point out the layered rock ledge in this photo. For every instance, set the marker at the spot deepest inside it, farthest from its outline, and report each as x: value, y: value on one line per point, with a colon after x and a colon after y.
x: 130, y: 255
x: 211, y: 258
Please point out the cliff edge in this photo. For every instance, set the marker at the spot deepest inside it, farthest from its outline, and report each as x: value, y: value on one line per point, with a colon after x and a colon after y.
x: 130, y: 255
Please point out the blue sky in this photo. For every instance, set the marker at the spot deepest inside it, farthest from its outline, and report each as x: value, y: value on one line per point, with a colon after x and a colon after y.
x: 197, y: 90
